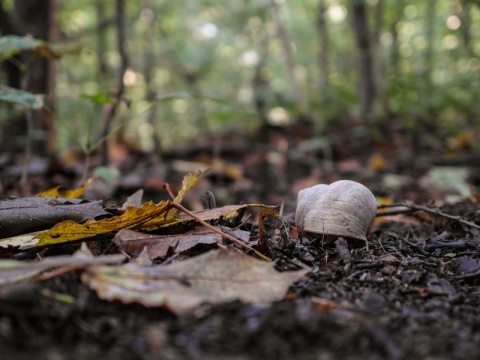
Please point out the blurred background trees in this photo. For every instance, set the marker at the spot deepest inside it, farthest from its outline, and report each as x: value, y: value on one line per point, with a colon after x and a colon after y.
x: 166, y: 73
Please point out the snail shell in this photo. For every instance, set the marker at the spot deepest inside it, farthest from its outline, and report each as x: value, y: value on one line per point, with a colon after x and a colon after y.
x: 344, y: 208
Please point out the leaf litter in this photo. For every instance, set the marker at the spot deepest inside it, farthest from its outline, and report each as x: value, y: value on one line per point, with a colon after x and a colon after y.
x: 215, y: 277
x: 405, y: 276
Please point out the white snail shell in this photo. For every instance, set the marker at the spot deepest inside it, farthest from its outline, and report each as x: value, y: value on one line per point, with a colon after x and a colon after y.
x: 344, y: 208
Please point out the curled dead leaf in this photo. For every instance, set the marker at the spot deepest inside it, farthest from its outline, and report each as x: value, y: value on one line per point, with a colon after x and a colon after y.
x: 215, y: 277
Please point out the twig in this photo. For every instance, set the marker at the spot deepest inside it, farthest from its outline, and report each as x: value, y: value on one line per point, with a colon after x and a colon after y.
x: 218, y: 231
x: 169, y: 191
x: 467, y: 276
x: 435, y: 212
x: 28, y: 149
x: 57, y: 272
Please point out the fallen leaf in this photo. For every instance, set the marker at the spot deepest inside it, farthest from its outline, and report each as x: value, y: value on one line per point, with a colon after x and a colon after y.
x: 20, y: 216
x: 134, y: 200
x: 71, y: 194
x: 133, y: 242
x: 215, y: 277
x: 131, y: 218
x: 189, y: 181
x: 23, y: 242
x: 12, y: 271
x: 229, y: 213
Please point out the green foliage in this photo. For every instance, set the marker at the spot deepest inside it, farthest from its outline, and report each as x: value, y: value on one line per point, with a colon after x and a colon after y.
x: 21, y: 97
x: 198, y: 66
x: 11, y: 45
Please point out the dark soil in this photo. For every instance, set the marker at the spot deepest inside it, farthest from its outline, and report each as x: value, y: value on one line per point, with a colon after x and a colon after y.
x: 413, y: 293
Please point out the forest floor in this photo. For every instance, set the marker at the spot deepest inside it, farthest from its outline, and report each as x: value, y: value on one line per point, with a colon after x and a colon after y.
x: 413, y: 292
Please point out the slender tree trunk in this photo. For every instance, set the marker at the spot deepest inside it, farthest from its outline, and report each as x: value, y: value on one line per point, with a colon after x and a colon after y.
x: 380, y: 70
x: 466, y: 22
x: 120, y: 85
x: 465, y: 16
x: 8, y: 26
x: 282, y: 34
x: 428, y: 56
x: 395, y: 53
x: 148, y: 69
x: 366, y: 86
x: 40, y: 20
x: 101, y: 39
x: 324, y: 50
x: 260, y: 84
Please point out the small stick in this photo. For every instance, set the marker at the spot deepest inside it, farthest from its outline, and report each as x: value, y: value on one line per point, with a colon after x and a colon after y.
x: 436, y: 212
x: 218, y: 231
x: 467, y: 276
x: 169, y: 191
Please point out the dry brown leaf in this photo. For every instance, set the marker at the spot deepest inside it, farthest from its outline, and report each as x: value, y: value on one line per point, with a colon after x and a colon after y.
x: 133, y: 242
x: 229, y: 213
x: 212, y: 278
x: 12, y: 271
x: 134, y: 200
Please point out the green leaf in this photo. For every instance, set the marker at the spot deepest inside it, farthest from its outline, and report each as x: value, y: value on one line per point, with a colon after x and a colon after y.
x: 11, y: 45
x: 16, y: 96
x: 100, y: 98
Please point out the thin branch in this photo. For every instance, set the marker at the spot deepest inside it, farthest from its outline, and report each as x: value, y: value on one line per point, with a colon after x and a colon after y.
x: 467, y: 276
x: 28, y: 148
x: 218, y: 231
x: 433, y: 211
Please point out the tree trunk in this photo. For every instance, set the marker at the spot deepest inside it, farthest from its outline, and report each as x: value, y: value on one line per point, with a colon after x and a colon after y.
x: 466, y: 22
x: 380, y: 70
x: 111, y: 110
x: 428, y: 56
x: 39, y: 18
x: 298, y: 94
x: 148, y: 70
x: 324, y: 50
x: 395, y: 53
x: 101, y: 38
x: 366, y: 86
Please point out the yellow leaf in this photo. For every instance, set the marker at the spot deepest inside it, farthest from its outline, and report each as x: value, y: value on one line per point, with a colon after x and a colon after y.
x: 70, y: 194
x: 189, y: 181
x: 131, y: 218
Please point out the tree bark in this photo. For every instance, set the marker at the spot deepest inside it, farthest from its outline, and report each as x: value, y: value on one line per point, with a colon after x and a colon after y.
x: 380, y: 70
x: 395, y: 53
x: 111, y: 110
x: 298, y: 94
x: 324, y: 50
x: 40, y: 20
x: 366, y: 85
x: 466, y: 22
x: 148, y: 71
x: 428, y: 55
x: 8, y: 26
x: 101, y: 39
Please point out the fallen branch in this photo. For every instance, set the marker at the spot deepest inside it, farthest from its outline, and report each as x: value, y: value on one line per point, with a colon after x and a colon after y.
x: 218, y: 231
x: 415, y: 207
x: 467, y: 276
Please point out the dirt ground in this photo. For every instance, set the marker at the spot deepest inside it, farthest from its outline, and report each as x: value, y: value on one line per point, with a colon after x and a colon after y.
x: 412, y: 293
